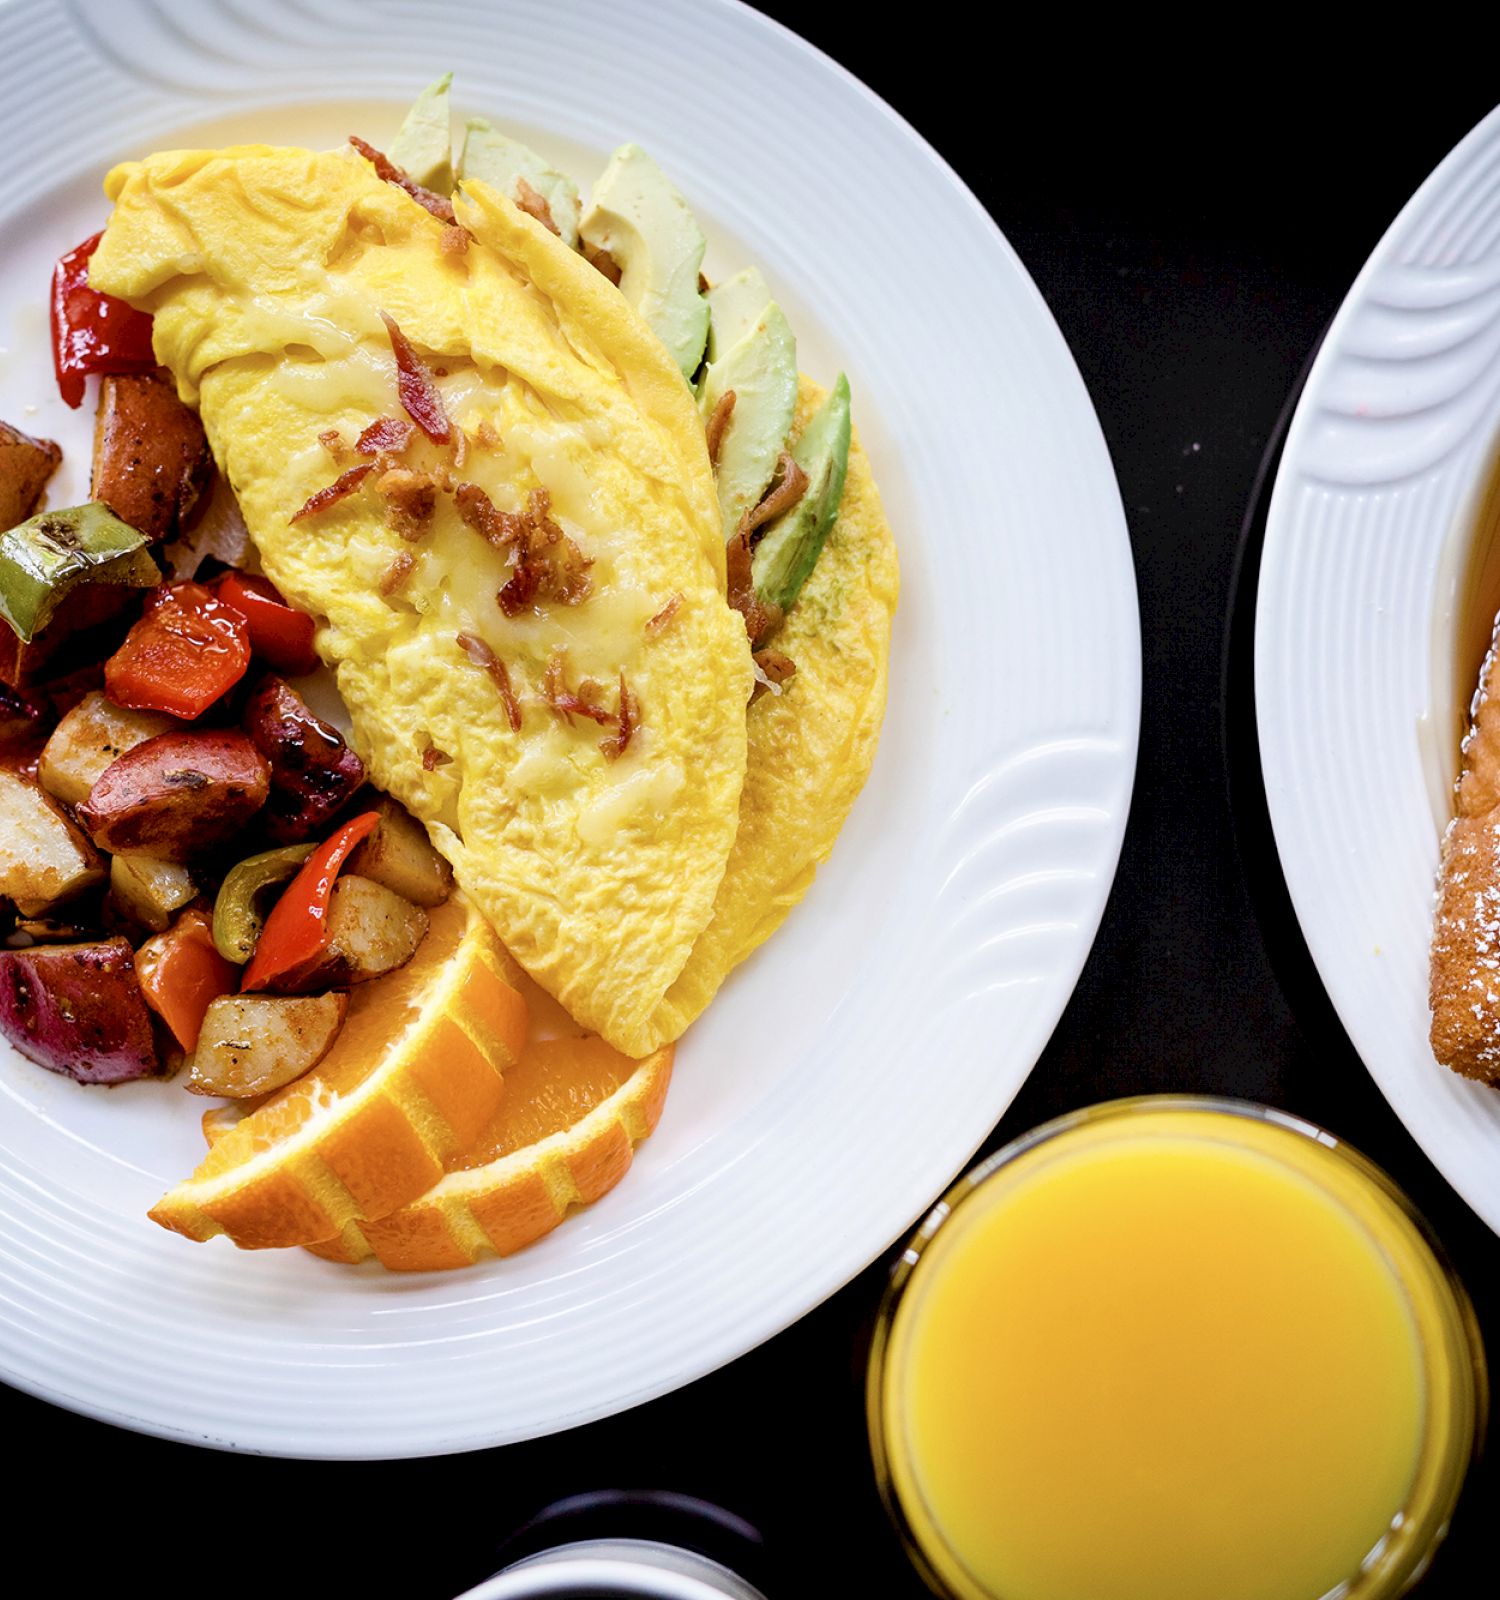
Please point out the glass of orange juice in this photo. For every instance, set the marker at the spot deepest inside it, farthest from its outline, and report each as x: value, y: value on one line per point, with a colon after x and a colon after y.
x: 1174, y: 1349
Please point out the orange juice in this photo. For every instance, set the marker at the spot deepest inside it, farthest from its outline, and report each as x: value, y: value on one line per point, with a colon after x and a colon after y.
x: 1174, y: 1351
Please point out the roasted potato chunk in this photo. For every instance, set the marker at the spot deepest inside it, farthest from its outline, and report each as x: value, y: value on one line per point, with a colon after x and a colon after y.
x: 149, y: 891
x: 151, y: 459
x: 250, y: 1044
x: 89, y: 739
x: 80, y: 631
x: 313, y: 772
x: 399, y: 855
x: 25, y: 466
x: 44, y: 859
x: 78, y: 1009
x: 371, y: 931
x: 177, y: 794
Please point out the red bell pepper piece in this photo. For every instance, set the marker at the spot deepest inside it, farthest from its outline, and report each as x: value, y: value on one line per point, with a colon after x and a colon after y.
x: 93, y: 332
x: 188, y: 649
x: 180, y: 973
x: 280, y: 635
x: 297, y: 929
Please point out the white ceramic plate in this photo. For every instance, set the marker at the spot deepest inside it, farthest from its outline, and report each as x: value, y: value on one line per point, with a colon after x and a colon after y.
x: 852, y: 1067
x: 1373, y: 513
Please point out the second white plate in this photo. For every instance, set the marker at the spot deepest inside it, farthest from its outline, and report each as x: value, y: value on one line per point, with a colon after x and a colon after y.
x: 1375, y: 507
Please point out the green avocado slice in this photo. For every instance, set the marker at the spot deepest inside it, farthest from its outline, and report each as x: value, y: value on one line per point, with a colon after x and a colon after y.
x: 423, y: 148
x: 752, y: 351
x: 55, y: 551
x: 498, y: 160
x: 790, y: 546
x: 640, y: 219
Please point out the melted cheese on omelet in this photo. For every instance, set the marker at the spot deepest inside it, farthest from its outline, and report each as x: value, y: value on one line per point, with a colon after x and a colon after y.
x: 267, y: 271
x: 811, y: 746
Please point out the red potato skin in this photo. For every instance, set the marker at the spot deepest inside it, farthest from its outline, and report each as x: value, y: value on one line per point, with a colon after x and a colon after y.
x: 313, y: 772
x: 77, y: 1009
x: 151, y: 460
x: 68, y: 640
x: 177, y: 794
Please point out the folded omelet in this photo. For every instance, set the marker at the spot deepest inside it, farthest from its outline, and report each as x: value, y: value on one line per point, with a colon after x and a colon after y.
x: 577, y: 745
x: 811, y: 745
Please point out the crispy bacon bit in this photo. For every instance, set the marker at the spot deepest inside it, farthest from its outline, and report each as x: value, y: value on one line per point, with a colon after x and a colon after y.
x: 772, y: 669
x: 659, y: 623
x: 484, y: 658
x: 385, y: 434
x: 345, y: 484
x: 387, y: 169
x: 627, y: 718
x: 397, y: 573
x: 566, y: 703
x: 454, y: 240
x: 419, y: 394
x: 460, y: 448
x: 718, y: 424
x: 433, y: 758
x: 410, y: 499
x: 565, y: 576
x: 504, y: 529
x: 760, y: 619
x: 535, y: 205
x: 787, y: 488
x: 603, y: 262
x: 520, y: 589
x: 487, y: 434
x: 333, y: 442
x: 545, y: 563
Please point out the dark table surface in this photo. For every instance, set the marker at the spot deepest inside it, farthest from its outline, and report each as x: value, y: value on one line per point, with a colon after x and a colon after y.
x: 1193, y: 228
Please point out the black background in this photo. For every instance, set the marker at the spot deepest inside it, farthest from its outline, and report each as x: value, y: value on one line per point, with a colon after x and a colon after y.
x: 1193, y: 227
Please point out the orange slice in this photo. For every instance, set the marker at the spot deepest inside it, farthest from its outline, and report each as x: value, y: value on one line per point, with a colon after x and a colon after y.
x: 574, y: 1111
x: 411, y: 1083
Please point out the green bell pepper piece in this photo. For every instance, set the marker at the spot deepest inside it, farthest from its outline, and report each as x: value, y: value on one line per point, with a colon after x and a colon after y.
x: 44, y: 557
x: 240, y: 910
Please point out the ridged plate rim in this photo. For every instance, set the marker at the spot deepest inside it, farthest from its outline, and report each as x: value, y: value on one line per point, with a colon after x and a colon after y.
x: 1376, y: 496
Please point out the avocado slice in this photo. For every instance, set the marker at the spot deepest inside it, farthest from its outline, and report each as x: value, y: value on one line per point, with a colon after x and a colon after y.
x: 498, y: 160
x: 753, y: 351
x: 640, y: 219
x: 734, y: 308
x: 790, y: 546
x: 423, y: 147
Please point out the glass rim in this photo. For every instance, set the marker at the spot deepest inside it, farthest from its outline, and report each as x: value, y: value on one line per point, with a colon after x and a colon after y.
x: 1401, y: 1556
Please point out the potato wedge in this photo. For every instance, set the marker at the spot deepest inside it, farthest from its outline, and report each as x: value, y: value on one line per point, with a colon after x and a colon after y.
x: 151, y: 459
x: 90, y: 738
x: 399, y: 855
x: 25, y: 466
x: 78, y: 1009
x: 371, y: 931
x: 44, y: 858
x: 149, y: 891
x: 177, y: 794
x: 250, y: 1044
x: 80, y: 631
x: 313, y: 772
